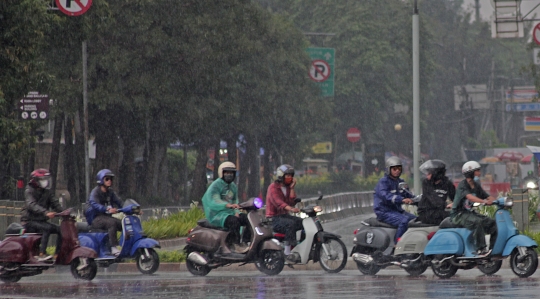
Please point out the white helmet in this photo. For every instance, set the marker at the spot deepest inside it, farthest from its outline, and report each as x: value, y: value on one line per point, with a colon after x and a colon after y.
x: 228, y: 166
x: 469, y: 168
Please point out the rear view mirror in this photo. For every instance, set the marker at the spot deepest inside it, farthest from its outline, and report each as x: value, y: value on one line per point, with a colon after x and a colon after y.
x: 403, y: 186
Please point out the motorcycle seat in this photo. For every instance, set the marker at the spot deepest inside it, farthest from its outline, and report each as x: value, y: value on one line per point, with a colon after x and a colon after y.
x: 206, y: 224
x: 447, y: 223
x: 415, y: 223
x: 376, y: 223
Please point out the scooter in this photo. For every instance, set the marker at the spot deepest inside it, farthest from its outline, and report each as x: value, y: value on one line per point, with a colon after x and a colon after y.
x: 315, y: 244
x: 374, y: 248
x: 19, y: 249
x: 451, y: 248
x: 207, y: 246
x: 132, y: 239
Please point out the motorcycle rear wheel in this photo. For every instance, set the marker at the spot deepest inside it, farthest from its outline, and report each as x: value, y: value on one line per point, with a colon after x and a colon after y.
x: 87, y: 273
x: 270, y: 262
x: 445, y: 269
x: 417, y: 268
x: 491, y: 267
x: 525, y: 267
x: 9, y: 279
x: 150, y: 264
x: 337, y: 260
x: 369, y: 269
x: 194, y: 268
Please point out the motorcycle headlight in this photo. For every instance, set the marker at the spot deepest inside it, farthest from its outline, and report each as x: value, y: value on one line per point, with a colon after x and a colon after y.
x: 508, y: 202
x: 317, y: 209
x: 532, y: 185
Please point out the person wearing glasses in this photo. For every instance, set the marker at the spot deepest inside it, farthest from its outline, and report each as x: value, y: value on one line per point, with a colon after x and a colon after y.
x: 101, y: 205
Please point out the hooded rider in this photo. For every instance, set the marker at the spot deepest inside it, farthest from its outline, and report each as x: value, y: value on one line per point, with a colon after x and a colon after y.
x: 37, y: 211
x: 388, y: 198
x: 468, y: 192
x: 436, y: 189
x: 220, y: 203
x: 280, y: 200
x: 103, y: 203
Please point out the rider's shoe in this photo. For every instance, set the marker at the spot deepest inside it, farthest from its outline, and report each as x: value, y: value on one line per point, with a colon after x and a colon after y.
x: 115, y: 251
x: 240, y: 248
x: 42, y: 257
x: 483, y: 252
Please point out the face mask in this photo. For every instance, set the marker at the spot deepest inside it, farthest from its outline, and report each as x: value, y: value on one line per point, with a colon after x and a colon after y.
x: 476, y: 179
x: 228, y: 177
x: 287, y: 181
x: 43, y: 183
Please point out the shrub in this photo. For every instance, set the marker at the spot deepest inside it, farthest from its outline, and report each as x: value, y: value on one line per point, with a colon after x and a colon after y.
x: 174, y: 226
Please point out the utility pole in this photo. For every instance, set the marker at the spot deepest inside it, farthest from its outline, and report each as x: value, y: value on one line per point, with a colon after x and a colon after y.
x: 416, y: 97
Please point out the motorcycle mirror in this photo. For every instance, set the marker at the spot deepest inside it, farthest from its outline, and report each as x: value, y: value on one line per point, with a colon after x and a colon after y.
x: 403, y: 186
x: 320, y: 195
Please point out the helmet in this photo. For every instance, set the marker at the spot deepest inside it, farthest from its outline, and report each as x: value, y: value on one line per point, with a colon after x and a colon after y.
x: 530, y: 173
x: 437, y: 169
x: 469, y: 168
x: 227, y: 166
x: 102, y: 174
x: 40, y: 178
x: 282, y: 170
x: 391, y: 162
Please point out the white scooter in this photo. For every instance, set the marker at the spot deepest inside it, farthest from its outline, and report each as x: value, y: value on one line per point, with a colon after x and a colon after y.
x: 315, y: 244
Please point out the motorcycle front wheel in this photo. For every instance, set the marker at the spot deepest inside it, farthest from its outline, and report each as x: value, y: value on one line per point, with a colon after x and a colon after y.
x: 524, y: 266
x: 270, y: 262
x: 8, y: 279
x: 87, y: 272
x: 147, y: 264
x: 333, y: 255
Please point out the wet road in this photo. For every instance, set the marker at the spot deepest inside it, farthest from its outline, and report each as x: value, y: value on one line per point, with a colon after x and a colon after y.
x: 289, y: 284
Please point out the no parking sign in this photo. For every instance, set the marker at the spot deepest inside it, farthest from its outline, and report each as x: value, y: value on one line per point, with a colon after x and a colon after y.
x: 73, y: 7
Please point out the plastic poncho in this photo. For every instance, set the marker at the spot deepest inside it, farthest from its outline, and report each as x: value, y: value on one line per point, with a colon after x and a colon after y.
x: 218, y: 195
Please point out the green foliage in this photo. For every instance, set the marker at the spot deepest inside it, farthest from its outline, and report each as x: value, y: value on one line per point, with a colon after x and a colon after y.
x: 174, y: 226
x: 171, y: 256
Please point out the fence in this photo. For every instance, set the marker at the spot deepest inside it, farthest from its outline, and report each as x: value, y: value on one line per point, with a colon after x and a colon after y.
x: 335, y: 206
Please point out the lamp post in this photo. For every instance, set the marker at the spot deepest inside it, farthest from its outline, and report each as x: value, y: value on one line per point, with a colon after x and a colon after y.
x: 416, y: 96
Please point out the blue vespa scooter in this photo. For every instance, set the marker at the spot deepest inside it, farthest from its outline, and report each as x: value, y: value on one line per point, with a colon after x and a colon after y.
x: 134, y: 243
x: 451, y: 248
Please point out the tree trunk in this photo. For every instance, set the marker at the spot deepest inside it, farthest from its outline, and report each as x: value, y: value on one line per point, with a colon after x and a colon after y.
x: 267, y: 173
x: 70, y: 165
x: 231, y: 150
x: 199, y: 174
x: 55, y: 150
x: 217, y: 161
x: 79, y: 159
x: 127, y: 185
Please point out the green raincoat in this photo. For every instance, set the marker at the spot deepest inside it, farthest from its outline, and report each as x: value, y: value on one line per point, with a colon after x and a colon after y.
x: 218, y: 195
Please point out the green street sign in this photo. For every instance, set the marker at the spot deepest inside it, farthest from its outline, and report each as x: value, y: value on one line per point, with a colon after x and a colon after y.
x: 322, y: 69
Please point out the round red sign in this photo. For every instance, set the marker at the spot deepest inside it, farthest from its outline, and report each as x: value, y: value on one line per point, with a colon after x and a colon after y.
x: 353, y: 135
x: 536, y: 33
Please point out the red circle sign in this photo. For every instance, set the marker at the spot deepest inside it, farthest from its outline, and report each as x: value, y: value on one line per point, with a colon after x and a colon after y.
x: 319, y: 71
x: 353, y: 135
x: 73, y: 7
x: 536, y: 34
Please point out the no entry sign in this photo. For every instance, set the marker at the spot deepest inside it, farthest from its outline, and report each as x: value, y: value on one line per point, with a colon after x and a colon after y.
x: 353, y: 135
x: 73, y: 7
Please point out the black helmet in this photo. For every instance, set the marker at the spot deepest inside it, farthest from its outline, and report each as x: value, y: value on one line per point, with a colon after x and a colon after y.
x: 437, y: 169
x: 283, y: 170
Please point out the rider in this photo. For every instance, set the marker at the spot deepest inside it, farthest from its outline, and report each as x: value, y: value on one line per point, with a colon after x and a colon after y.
x: 220, y: 204
x: 388, y: 198
x: 102, y: 203
x: 436, y: 188
x: 35, y: 214
x: 469, y: 191
x: 280, y: 200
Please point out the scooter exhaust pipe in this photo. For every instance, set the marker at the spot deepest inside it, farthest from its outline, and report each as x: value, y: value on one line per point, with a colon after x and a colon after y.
x: 362, y: 258
x: 197, y: 258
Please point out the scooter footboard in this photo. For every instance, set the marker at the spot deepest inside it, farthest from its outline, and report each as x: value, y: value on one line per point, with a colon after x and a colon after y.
x: 445, y: 242
x: 144, y: 243
x: 518, y: 240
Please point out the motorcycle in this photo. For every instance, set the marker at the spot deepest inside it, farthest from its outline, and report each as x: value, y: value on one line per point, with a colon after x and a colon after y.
x: 315, y: 244
x: 451, y: 248
x: 374, y: 248
x: 207, y: 247
x: 135, y: 245
x: 19, y: 249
